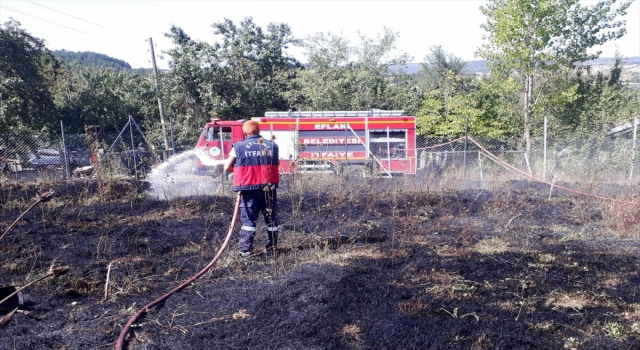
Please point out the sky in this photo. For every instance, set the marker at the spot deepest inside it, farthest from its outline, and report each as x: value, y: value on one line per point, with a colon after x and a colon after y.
x: 121, y: 29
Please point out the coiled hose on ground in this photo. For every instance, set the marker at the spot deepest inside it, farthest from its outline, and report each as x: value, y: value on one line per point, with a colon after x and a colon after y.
x: 184, y: 284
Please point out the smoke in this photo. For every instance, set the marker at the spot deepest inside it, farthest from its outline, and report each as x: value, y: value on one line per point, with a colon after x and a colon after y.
x: 176, y: 178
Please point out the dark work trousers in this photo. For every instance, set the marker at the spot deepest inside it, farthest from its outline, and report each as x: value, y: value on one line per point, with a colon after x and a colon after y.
x: 252, y: 204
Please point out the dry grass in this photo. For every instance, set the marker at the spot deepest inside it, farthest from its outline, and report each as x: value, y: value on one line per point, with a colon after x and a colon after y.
x: 367, y: 263
x: 490, y: 246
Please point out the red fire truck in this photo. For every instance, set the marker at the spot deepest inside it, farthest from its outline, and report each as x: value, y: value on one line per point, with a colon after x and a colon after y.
x: 378, y: 141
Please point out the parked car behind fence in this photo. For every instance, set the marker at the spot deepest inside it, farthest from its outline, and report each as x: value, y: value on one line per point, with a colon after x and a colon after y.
x: 53, y: 158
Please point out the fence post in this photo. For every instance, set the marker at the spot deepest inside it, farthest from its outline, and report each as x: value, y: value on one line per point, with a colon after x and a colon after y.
x: 173, y: 142
x: 133, y: 148
x: 388, y: 149
x: 526, y: 161
x: 633, y: 148
x: 346, y: 147
x: 554, y: 168
x: 466, y: 140
x: 64, y: 152
x: 480, y: 164
x: 544, y: 151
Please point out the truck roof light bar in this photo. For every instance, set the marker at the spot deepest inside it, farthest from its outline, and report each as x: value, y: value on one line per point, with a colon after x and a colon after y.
x: 318, y: 114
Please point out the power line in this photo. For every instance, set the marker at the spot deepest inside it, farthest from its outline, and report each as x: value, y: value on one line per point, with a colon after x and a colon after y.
x: 42, y: 19
x: 66, y: 14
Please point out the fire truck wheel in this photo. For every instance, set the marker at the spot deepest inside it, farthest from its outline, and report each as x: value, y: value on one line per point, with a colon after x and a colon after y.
x: 341, y: 169
x: 368, y: 169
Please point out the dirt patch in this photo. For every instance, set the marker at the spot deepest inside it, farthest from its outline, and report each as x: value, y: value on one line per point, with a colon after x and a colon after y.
x: 361, y: 265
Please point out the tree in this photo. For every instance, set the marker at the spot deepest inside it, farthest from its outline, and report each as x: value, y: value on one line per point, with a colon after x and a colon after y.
x: 27, y: 72
x: 499, y: 100
x: 244, y: 74
x: 184, y: 85
x: 445, y: 110
x: 586, y: 101
x: 436, y: 66
x: 446, y: 117
x: 90, y: 95
x: 255, y: 65
x: 326, y: 80
x: 441, y: 77
x: 339, y: 76
x: 533, y: 38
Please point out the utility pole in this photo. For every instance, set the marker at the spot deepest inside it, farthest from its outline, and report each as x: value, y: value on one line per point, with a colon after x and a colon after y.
x: 155, y: 72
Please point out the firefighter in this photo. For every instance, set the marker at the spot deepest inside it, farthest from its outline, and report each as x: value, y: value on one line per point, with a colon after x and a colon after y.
x: 399, y: 151
x: 254, y: 163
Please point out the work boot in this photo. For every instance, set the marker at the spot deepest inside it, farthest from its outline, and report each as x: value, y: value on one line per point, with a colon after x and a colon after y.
x: 245, y: 253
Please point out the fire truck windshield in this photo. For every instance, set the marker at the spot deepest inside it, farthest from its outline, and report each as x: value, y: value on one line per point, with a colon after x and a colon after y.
x: 390, y: 143
x: 213, y: 133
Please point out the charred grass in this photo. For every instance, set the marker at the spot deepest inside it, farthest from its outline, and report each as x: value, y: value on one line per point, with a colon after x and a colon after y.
x: 362, y: 264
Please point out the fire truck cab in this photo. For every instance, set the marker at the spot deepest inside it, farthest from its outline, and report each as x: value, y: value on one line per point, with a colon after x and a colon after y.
x: 377, y: 141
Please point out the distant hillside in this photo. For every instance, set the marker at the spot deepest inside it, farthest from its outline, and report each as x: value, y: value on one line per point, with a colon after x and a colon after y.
x: 88, y: 58
x: 480, y: 66
x: 607, y: 61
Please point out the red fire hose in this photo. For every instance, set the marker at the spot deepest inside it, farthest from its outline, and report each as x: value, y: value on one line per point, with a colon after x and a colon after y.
x: 146, y: 308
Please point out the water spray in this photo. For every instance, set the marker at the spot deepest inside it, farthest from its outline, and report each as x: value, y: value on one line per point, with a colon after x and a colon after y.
x: 175, y: 177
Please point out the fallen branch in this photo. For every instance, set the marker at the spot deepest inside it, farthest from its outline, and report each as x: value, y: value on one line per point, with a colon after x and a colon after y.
x: 54, y: 271
x: 28, y: 314
x: 507, y: 225
x: 7, y: 317
x: 455, y: 314
x: 41, y: 198
x: 240, y: 315
x: 106, y: 284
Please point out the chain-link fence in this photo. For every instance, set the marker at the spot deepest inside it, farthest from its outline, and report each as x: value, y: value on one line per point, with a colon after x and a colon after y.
x: 63, y: 156
x: 28, y: 156
x: 593, y: 159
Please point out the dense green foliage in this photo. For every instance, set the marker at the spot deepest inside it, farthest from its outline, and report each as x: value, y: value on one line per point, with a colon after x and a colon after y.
x: 438, y: 70
x: 584, y: 101
x: 247, y: 70
x: 340, y: 76
x: 37, y: 90
x: 534, y: 40
x: 243, y: 75
x: 88, y: 58
x: 27, y: 74
x: 453, y: 96
x: 105, y: 97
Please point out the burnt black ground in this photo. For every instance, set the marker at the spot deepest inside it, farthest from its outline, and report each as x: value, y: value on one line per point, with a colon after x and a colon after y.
x: 361, y: 267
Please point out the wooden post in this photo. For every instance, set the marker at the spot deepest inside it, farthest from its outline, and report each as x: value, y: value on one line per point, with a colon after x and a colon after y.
x: 466, y: 140
x: 633, y: 148
x: 544, y: 152
x: 64, y: 152
x: 480, y: 163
